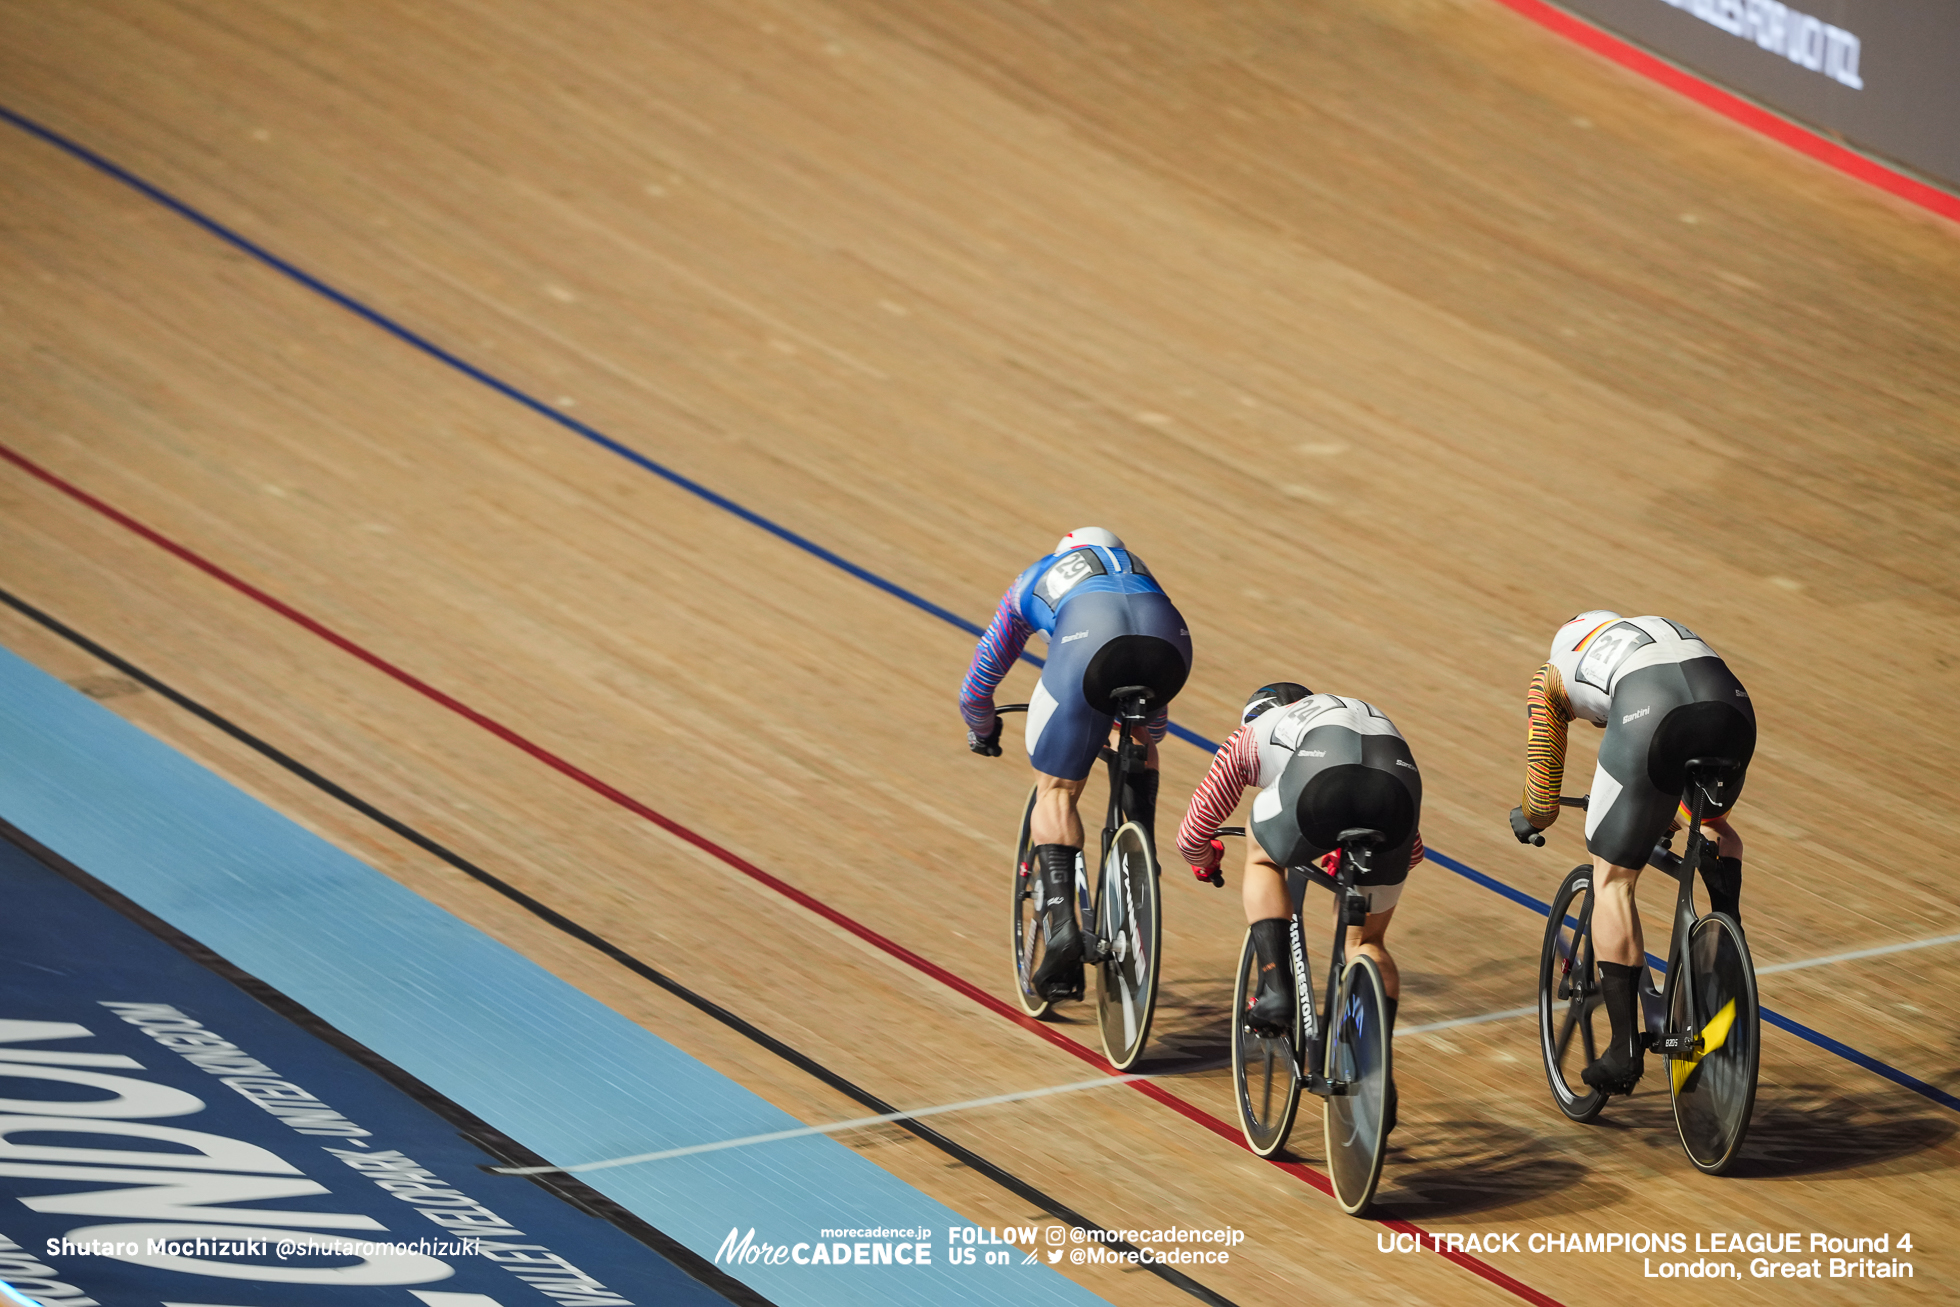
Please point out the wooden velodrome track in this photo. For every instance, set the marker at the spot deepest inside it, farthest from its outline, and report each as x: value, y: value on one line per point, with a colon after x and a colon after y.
x: 1390, y: 333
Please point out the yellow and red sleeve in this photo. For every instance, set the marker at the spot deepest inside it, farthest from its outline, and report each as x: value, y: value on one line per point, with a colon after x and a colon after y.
x: 1544, y: 751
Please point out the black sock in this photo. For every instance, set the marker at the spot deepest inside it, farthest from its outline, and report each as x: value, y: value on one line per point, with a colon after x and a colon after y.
x: 1725, y: 887
x: 1269, y: 944
x: 1057, y: 872
x: 1619, y: 985
x: 1140, y: 801
x: 1391, y: 1004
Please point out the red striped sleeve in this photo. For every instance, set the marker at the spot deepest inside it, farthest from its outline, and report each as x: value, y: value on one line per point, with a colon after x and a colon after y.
x: 1233, y: 768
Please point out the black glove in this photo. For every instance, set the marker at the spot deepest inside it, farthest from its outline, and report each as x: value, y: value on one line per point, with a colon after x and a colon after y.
x: 987, y: 746
x: 1522, y: 828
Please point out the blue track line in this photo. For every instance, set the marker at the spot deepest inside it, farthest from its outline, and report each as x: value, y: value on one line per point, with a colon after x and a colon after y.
x: 781, y: 532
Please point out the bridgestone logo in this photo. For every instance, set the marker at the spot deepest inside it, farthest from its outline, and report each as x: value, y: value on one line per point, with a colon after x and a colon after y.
x: 1805, y: 41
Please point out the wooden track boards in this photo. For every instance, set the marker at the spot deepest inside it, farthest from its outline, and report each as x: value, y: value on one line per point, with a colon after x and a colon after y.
x: 1389, y: 334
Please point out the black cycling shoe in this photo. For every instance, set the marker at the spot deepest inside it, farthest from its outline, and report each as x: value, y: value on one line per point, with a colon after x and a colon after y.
x: 1388, y: 1109
x: 1615, y: 1071
x: 1271, y: 1013
x: 1059, y: 976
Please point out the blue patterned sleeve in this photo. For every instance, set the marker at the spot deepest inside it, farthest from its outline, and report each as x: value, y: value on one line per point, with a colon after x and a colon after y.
x: 999, y: 648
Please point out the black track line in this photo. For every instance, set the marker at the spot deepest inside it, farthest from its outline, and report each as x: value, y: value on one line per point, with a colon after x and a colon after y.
x: 588, y: 1198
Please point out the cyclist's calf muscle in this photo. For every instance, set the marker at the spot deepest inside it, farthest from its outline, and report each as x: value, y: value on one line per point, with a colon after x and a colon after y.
x: 1264, y: 888
x: 1056, y: 818
x: 1617, y: 936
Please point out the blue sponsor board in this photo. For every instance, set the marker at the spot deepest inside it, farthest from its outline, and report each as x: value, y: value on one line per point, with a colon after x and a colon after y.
x: 166, y: 1138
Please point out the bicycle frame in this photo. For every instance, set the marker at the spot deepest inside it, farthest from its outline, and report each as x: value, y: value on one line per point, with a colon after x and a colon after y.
x: 1132, y: 711
x: 1679, y: 965
x: 1680, y: 961
x: 1354, y: 912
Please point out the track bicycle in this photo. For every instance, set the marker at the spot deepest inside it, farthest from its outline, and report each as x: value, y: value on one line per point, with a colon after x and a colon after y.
x: 1350, y: 1071
x: 1704, y: 1018
x: 1122, y: 921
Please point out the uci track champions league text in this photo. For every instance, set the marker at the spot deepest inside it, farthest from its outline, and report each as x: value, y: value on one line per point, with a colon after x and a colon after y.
x: 1703, y: 1255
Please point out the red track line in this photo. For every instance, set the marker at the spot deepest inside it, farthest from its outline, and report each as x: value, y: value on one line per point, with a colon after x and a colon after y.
x: 1733, y: 106
x: 958, y: 984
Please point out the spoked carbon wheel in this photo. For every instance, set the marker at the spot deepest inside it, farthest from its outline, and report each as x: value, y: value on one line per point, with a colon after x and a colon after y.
x: 1027, y: 939
x: 1358, y: 1067
x: 1131, y: 927
x: 1265, y: 1072
x: 1714, y: 1087
x: 1571, y: 1020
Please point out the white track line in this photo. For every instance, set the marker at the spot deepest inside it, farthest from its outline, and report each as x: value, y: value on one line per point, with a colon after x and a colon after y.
x: 1853, y: 955
x: 1860, y: 953
x: 801, y: 1131
x: 1435, y: 1026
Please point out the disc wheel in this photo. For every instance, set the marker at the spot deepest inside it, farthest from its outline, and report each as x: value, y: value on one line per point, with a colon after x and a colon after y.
x: 1358, y: 1067
x: 1131, y: 925
x: 1714, y: 1087
x: 1265, y: 1071
x: 1027, y: 938
x: 1571, y: 1017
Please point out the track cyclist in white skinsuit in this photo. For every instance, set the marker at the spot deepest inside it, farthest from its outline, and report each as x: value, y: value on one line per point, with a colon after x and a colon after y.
x: 1109, y: 625
x: 1321, y: 763
x: 1664, y: 697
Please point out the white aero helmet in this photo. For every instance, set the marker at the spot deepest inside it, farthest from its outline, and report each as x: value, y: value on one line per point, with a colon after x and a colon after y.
x: 1088, y: 535
x: 1578, y: 628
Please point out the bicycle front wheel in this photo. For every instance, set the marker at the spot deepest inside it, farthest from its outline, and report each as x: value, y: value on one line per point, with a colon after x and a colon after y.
x: 1714, y: 1086
x: 1265, y: 1071
x: 1131, y: 927
x: 1027, y: 937
x: 1358, y: 1068
x: 1570, y: 1015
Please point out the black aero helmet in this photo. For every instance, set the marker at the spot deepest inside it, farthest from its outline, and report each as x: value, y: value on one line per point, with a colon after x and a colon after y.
x: 1278, y: 694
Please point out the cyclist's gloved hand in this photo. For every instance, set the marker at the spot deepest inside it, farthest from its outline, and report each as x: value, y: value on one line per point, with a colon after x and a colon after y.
x: 987, y: 746
x: 1211, y: 873
x: 1522, y: 828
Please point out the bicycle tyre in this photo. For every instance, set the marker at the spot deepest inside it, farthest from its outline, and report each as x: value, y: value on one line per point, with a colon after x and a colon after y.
x: 1560, y: 1019
x: 1358, y: 1053
x: 1265, y: 1072
x: 1714, y: 1089
x: 1130, y: 918
x: 1026, y: 938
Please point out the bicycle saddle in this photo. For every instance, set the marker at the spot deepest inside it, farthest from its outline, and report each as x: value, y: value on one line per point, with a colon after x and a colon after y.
x: 1130, y: 663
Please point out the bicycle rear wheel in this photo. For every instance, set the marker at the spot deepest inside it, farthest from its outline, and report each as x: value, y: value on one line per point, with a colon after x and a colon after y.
x: 1358, y: 1065
x: 1027, y: 937
x: 1570, y: 1016
x: 1265, y: 1072
x: 1714, y: 1088
x: 1130, y: 922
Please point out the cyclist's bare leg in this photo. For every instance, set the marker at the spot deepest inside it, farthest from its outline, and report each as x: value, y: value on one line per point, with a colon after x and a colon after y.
x: 1055, y: 820
x: 1728, y: 844
x: 1621, y: 949
x: 1367, y: 939
x: 1264, y: 886
x: 1617, y: 936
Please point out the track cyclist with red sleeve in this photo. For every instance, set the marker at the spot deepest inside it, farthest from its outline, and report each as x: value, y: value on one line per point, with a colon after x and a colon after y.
x: 1109, y: 626
x: 1664, y: 697
x: 1321, y: 763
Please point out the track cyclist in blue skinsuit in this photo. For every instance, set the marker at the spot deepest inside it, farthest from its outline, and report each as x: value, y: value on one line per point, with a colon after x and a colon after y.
x: 1109, y: 625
